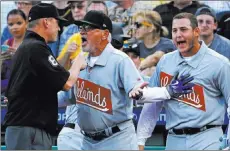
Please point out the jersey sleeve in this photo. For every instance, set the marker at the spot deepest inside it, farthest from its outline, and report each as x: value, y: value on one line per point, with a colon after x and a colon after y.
x: 129, y: 75
x: 46, y: 66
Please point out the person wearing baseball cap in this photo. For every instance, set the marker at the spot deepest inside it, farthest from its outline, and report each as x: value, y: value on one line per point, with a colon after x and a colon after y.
x: 107, y: 118
x: 118, y: 36
x: 35, y: 79
x: 207, y: 24
x: 133, y: 51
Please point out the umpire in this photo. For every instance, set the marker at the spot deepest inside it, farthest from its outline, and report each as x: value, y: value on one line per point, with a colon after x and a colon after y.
x: 36, y: 78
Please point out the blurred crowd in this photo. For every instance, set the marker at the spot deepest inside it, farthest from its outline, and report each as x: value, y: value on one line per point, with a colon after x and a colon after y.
x: 142, y: 29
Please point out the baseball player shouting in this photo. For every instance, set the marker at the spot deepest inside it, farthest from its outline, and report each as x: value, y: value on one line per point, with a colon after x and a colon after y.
x: 104, y: 110
x: 194, y: 120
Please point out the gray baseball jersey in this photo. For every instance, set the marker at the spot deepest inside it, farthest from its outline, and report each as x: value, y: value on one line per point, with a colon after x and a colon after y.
x: 102, y: 91
x: 221, y: 45
x: 205, y: 106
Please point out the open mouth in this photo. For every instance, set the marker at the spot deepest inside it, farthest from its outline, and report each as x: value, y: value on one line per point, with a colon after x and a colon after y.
x: 181, y: 43
x: 84, y: 41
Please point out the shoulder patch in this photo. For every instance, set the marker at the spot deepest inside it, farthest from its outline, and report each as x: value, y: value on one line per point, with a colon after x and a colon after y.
x: 52, y: 61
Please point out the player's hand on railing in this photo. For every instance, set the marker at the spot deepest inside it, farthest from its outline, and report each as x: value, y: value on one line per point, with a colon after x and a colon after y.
x: 180, y: 85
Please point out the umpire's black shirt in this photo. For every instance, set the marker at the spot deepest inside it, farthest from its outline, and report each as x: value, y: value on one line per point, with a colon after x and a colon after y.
x: 36, y: 78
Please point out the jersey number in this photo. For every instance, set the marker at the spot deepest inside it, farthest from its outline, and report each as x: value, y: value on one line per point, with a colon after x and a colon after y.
x: 52, y: 61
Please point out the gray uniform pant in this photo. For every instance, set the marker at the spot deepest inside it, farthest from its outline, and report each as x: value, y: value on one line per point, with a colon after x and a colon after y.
x: 27, y: 138
x: 206, y: 140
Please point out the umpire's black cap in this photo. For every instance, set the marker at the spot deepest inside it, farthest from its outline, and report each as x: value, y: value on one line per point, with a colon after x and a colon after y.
x: 44, y: 10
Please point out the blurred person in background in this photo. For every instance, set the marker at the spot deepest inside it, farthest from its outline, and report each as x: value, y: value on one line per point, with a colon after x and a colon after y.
x: 218, y: 6
x: 17, y: 24
x: 148, y: 28
x: 133, y: 52
x: 169, y: 10
x: 64, y: 10
x: 223, y: 24
x: 118, y: 36
x: 78, y: 11
x: 207, y: 24
x: 98, y: 5
x: 25, y: 6
x: 121, y: 11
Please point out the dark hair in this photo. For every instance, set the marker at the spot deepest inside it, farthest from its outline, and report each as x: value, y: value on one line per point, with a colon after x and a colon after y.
x: 189, y: 16
x: 102, y: 2
x: 17, y: 12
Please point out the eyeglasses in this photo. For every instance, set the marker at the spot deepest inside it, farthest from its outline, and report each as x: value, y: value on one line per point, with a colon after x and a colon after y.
x: 144, y: 23
x: 23, y: 3
x: 76, y: 5
x: 86, y: 28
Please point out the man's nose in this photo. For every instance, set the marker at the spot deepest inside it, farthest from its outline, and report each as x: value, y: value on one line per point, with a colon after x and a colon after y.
x: 178, y: 34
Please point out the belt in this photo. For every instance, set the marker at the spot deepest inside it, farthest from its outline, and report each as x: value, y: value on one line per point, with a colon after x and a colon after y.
x: 70, y: 125
x: 97, y: 135
x: 191, y: 131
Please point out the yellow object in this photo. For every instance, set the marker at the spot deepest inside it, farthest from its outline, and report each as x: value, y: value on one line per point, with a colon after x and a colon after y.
x: 74, y: 38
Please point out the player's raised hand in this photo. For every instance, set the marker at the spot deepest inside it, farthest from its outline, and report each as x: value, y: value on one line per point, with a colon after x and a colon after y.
x: 180, y: 85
